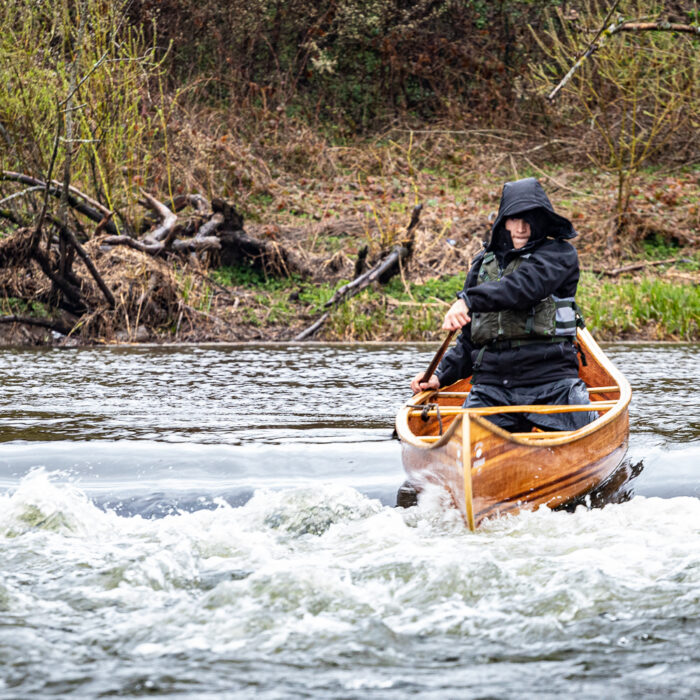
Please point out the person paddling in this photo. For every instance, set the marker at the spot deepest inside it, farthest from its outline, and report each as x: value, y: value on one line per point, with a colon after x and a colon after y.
x: 518, y: 316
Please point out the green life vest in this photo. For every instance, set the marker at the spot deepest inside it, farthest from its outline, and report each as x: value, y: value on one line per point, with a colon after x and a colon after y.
x: 550, y: 320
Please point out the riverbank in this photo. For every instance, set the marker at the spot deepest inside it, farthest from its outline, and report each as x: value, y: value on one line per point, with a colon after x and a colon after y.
x: 643, y: 285
x: 640, y: 307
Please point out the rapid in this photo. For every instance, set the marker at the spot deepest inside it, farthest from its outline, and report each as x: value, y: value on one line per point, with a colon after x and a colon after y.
x: 218, y: 521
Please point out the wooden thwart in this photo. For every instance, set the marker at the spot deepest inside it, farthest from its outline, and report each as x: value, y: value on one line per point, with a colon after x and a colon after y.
x: 535, y: 408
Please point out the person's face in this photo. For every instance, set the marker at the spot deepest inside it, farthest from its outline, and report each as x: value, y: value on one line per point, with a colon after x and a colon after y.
x: 519, y: 231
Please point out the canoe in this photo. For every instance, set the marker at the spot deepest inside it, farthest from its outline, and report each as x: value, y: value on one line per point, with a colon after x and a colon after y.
x: 489, y: 471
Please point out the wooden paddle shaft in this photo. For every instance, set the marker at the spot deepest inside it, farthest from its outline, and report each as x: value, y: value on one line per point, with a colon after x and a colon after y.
x: 438, y: 356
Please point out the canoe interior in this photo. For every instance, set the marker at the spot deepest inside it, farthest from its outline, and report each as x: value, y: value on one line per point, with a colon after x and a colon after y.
x: 489, y: 471
x: 593, y: 375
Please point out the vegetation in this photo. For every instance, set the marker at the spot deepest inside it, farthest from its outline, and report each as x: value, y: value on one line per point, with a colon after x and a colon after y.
x: 323, y: 125
x: 637, y: 93
x: 647, y: 307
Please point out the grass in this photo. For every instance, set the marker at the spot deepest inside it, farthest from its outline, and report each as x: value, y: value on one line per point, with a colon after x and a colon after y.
x: 654, y: 308
x: 11, y: 306
x: 645, y: 307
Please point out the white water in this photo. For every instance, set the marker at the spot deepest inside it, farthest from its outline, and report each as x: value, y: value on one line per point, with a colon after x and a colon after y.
x: 326, y: 591
x: 312, y: 588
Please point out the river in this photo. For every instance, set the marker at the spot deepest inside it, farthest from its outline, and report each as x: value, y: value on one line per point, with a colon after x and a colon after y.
x: 214, y: 522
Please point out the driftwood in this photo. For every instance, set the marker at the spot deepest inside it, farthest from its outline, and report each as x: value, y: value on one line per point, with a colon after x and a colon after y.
x: 633, y: 267
x: 308, y: 332
x: 165, y: 231
x: 197, y: 244
x: 210, y: 226
x: 210, y: 232
x: 385, y: 269
x: 151, y: 249
x: 382, y: 272
x: 41, y: 322
x: 221, y: 234
x: 88, y: 207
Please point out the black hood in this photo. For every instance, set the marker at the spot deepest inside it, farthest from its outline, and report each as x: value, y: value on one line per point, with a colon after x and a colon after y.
x: 528, y: 200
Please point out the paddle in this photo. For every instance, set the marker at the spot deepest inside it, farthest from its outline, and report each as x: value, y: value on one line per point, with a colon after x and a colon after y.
x: 438, y: 356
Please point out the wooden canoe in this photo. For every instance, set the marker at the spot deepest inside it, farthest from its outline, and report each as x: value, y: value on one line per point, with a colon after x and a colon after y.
x: 489, y: 471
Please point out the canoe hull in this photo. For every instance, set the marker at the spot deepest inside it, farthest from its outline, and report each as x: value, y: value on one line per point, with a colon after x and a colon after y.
x: 489, y: 471
x: 507, y: 476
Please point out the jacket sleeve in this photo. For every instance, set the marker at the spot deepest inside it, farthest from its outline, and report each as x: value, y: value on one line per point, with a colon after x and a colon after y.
x: 544, y: 272
x: 457, y: 362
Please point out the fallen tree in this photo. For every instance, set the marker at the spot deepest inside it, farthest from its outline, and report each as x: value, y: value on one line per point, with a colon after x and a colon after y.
x: 388, y: 266
x: 189, y: 232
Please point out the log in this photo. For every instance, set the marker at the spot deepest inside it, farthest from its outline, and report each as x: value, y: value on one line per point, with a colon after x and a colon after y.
x: 634, y: 266
x: 308, y: 332
x: 196, y: 244
x: 200, y: 203
x: 384, y: 270
x: 167, y: 217
x: 208, y: 228
x: 150, y: 248
x: 42, y: 322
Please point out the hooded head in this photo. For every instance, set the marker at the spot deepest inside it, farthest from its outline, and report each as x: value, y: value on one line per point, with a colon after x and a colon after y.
x: 525, y: 199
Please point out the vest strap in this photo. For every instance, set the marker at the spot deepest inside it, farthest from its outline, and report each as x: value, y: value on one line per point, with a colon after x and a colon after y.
x: 510, y: 344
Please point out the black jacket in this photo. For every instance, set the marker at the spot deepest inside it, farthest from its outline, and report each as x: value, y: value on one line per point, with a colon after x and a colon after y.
x: 550, y: 268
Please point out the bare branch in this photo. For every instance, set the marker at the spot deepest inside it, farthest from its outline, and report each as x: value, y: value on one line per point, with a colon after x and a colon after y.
x: 197, y: 244
x: 91, y: 267
x: 398, y: 253
x: 591, y: 48
x: 22, y: 193
x: 308, y: 332
x: 656, y: 27
x: 615, y: 272
x: 384, y: 266
x: 150, y: 248
x: 90, y: 208
x: 209, y: 227
x: 624, y: 26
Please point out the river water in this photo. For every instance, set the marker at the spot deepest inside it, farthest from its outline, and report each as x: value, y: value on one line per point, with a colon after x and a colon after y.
x: 214, y: 522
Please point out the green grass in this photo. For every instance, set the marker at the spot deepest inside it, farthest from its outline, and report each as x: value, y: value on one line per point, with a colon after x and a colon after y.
x: 653, y: 307
x: 649, y: 307
x: 11, y: 306
x: 251, y: 278
x: 397, y: 312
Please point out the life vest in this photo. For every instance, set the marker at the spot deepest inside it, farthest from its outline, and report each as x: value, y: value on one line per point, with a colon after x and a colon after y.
x: 552, y: 319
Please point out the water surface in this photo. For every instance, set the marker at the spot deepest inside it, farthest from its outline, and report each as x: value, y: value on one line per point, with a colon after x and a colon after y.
x: 218, y: 522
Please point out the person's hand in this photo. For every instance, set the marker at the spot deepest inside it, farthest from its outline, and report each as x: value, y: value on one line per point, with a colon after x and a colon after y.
x: 457, y: 316
x: 417, y: 385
